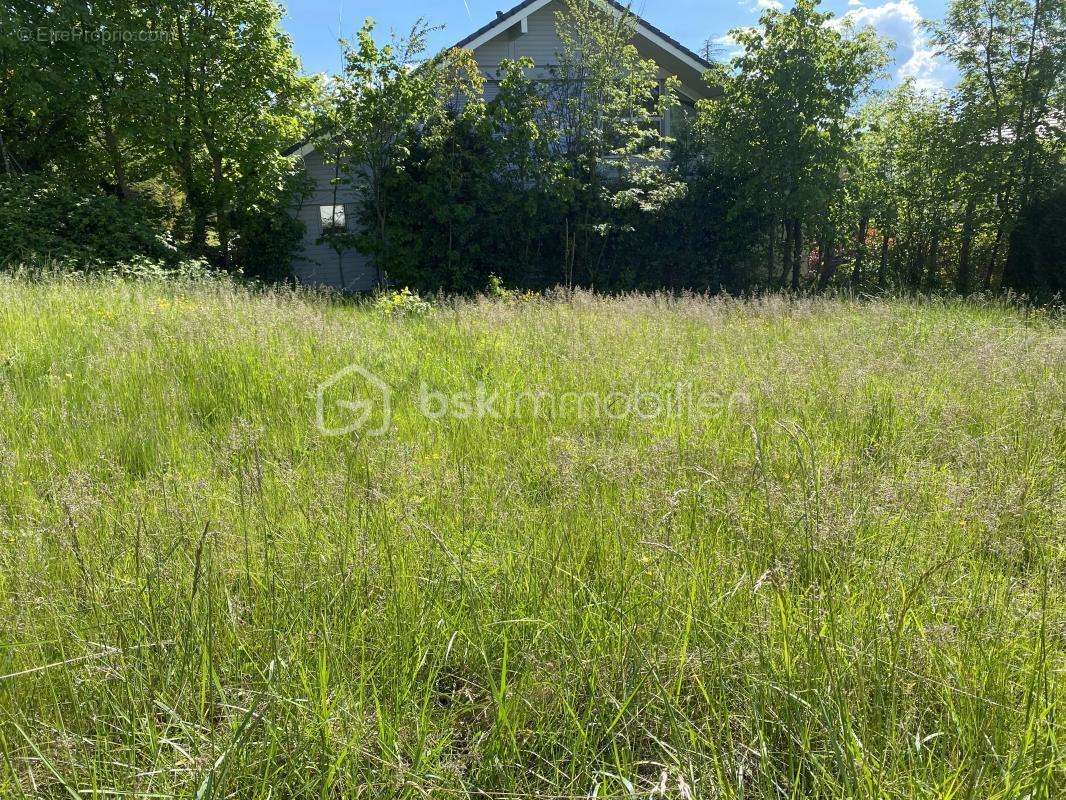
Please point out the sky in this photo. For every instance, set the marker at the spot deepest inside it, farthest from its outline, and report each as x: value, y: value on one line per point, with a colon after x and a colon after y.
x: 316, y: 25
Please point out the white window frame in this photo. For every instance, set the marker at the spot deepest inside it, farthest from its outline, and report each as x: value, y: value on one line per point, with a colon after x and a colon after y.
x: 327, y: 218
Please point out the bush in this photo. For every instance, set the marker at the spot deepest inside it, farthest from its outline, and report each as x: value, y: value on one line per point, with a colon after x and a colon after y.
x: 266, y: 244
x: 42, y: 221
x: 459, y: 213
x: 456, y: 216
x: 1036, y: 263
x: 402, y: 303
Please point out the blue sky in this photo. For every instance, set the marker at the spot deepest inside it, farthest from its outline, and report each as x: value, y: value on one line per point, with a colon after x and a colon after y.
x: 315, y: 25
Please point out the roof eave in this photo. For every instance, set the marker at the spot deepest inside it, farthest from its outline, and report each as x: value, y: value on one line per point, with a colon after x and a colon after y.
x: 508, y: 19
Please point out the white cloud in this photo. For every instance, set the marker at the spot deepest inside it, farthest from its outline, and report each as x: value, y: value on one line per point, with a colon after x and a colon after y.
x: 761, y: 5
x: 914, y: 56
x: 900, y: 21
x: 731, y: 47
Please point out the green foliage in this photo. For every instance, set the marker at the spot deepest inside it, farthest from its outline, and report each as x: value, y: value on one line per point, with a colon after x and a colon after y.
x: 201, y: 96
x: 232, y: 99
x: 1012, y: 58
x: 472, y: 198
x: 785, y: 179
x: 268, y: 235
x: 937, y: 182
x: 403, y: 302
x: 1036, y: 261
x: 542, y: 185
x: 496, y: 290
x: 782, y: 125
x: 604, y: 103
x: 788, y: 102
x: 388, y: 99
x: 267, y: 243
x: 905, y: 183
x: 41, y: 221
x: 700, y: 241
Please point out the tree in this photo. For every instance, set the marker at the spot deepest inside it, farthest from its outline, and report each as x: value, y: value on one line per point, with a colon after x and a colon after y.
x: 33, y: 112
x: 229, y: 99
x: 74, y: 90
x: 904, y: 183
x: 1036, y: 260
x: 471, y: 198
x: 603, y: 111
x: 385, y: 99
x: 783, y: 120
x: 1012, y: 58
x: 109, y: 63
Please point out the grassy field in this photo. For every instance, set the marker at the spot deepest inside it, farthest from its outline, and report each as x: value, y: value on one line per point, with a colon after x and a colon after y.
x: 687, y: 548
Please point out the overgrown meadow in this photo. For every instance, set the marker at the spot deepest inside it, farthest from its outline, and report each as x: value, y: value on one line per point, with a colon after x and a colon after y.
x: 839, y: 574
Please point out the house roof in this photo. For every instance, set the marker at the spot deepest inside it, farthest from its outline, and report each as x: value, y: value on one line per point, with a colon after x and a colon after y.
x: 505, y: 19
x: 304, y: 146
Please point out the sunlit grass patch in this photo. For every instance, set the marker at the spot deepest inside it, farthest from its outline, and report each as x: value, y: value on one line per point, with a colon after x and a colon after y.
x: 840, y: 573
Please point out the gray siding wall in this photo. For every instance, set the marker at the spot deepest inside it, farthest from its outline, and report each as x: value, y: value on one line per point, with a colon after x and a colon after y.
x: 541, y: 44
x: 318, y: 264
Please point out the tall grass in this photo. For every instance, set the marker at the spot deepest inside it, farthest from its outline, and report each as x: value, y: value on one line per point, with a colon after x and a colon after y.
x: 840, y: 575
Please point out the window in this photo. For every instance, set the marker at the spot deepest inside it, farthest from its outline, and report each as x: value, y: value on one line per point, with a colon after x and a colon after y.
x: 332, y: 219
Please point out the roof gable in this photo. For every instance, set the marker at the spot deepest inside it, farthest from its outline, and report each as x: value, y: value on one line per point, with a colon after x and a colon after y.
x: 507, y: 19
x: 653, y: 43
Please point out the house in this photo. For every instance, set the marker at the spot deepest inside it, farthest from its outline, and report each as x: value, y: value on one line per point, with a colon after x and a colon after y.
x: 527, y: 30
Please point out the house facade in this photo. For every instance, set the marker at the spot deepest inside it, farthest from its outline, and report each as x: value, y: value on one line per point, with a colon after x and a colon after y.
x: 526, y: 31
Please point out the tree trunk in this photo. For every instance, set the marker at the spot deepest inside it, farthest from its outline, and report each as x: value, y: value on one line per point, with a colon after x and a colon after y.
x: 770, y: 237
x: 990, y: 267
x: 914, y: 266
x: 964, y: 279
x: 3, y: 153
x: 931, y: 262
x: 568, y: 265
x: 338, y: 247
x: 198, y: 234
x: 829, y: 264
x: 195, y: 200
x: 117, y: 165
x: 882, y: 270
x: 104, y: 87
x: 222, y: 221
x: 860, y: 250
x: 586, y: 245
x: 377, y: 184
x: 1020, y: 128
x: 383, y: 234
x: 182, y: 147
x: 340, y: 268
x: 786, y: 252
x: 797, y: 252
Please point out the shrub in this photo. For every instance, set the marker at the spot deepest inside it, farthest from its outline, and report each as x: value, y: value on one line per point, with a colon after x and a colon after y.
x: 1036, y: 263
x: 402, y: 303
x: 266, y: 244
x: 43, y: 221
